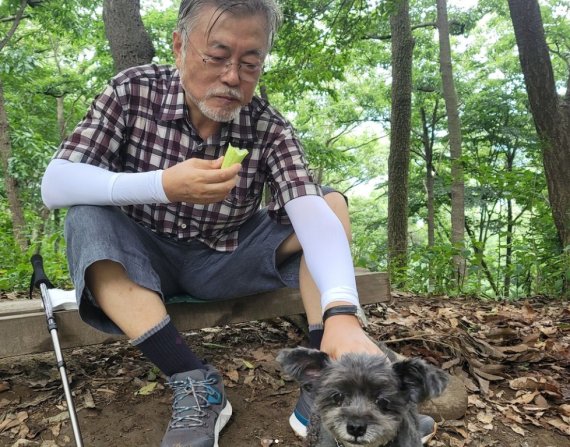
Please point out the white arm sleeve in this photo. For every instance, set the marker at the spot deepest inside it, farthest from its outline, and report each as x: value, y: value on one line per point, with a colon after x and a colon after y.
x: 325, y: 247
x: 65, y: 184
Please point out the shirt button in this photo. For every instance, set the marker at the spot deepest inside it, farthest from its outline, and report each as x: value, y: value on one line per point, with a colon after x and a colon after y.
x: 183, y: 226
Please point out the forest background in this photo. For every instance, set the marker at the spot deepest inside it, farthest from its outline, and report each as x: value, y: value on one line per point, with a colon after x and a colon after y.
x: 447, y: 125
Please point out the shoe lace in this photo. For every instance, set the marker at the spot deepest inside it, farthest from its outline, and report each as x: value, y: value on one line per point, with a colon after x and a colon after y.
x: 184, y: 415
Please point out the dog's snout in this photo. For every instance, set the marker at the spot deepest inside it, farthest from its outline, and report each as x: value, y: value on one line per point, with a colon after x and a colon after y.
x: 356, y: 428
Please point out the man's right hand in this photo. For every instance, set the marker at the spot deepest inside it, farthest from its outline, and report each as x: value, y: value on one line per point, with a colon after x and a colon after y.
x: 199, y: 181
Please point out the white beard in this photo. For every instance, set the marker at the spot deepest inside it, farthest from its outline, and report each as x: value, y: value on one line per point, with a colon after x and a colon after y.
x: 221, y: 116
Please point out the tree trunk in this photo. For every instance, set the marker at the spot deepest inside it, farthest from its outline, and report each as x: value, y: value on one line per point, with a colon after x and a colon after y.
x: 551, y: 113
x: 124, y: 28
x: 511, y: 154
x: 17, y: 212
x: 428, y: 137
x: 454, y: 128
x: 399, y: 159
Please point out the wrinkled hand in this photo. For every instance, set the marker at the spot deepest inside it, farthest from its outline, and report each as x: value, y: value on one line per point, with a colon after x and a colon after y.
x: 199, y: 181
x: 343, y: 334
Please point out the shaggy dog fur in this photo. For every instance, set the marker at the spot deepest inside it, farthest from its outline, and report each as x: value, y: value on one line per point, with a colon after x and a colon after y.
x: 363, y: 400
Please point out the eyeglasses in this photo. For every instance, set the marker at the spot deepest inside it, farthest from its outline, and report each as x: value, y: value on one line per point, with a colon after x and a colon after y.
x: 218, y: 66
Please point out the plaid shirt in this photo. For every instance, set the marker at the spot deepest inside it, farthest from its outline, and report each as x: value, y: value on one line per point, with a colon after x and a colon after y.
x: 140, y: 123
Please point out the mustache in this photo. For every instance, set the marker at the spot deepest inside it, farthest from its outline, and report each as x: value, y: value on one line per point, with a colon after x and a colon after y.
x: 235, y: 94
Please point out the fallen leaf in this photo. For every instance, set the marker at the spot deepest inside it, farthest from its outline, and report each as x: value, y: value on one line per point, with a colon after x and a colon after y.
x: 485, y: 417
x: 517, y: 429
x: 516, y: 349
x: 549, y: 331
x: 451, y: 363
x: 233, y: 375
x: 247, y: 364
x: 559, y: 424
x: 525, y: 397
x: 487, y: 376
x: 88, y: 400
x: 13, y: 420
x: 147, y: 389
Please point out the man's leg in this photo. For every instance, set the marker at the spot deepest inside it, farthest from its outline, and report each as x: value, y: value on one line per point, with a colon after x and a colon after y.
x: 133, y: 308
x: 309, y: 291
x: 139, y: 312
x: 141, y: 315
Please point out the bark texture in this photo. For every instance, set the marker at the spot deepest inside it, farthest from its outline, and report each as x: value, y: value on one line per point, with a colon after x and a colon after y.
x: 130, y: 43
x: 550, y: 111
x: 399, y: 158
x: 16, y: 210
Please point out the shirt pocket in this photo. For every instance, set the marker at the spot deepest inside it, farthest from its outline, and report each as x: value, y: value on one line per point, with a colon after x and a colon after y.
x: 248, y: 189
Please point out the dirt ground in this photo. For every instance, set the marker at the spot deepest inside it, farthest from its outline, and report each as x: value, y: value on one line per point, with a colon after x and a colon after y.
x: 513, y: 359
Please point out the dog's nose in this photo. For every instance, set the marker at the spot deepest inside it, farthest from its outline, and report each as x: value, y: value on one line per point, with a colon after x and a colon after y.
x: 356, y: 428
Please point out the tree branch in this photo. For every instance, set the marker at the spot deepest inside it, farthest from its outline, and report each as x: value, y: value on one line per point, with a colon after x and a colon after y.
x: 17, y: 19
x: 389, y: 36
x: 12, y: 18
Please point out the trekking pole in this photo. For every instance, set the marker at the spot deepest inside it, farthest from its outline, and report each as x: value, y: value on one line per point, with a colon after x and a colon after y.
x: 40, y: 280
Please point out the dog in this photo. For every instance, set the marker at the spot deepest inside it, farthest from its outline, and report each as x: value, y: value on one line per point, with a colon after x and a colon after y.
x: 363, y: 400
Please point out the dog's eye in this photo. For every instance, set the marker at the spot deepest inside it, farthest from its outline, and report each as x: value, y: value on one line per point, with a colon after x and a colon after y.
x: 383, y: 403
x: 308, y: 387
x: 338, y: 398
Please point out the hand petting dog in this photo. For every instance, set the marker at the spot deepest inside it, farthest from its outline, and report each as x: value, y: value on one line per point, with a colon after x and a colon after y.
x: 343, y: 334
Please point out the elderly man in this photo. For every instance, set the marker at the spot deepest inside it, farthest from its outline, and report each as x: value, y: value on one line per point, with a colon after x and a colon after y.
x: 152, y: 213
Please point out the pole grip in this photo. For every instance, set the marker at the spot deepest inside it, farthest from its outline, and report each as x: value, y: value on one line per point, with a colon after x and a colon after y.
x: 38, y: 275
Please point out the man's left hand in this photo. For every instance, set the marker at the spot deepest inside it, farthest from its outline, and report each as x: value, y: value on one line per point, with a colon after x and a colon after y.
x: 343, y: 334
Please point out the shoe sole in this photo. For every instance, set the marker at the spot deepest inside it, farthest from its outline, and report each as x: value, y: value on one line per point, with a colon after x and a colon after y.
x: 429, y: 436
x: 222, y: 420
x: 301, y: 431
x: 297, y: 426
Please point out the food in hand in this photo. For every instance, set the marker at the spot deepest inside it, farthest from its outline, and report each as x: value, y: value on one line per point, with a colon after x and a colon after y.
x: 233, y: 156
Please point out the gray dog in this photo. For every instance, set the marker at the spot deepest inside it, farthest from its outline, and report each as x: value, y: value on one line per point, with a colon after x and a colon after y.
x: 363, y: 400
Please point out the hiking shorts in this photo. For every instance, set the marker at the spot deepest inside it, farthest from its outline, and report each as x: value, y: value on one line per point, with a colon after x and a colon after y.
x: 170, y: 267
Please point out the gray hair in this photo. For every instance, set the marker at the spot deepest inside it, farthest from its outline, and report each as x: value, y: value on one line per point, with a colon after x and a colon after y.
x: 190, y: 10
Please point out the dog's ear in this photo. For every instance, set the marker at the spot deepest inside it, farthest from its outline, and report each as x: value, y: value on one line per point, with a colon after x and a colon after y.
x: 420, y: 380
x: 302, y: 364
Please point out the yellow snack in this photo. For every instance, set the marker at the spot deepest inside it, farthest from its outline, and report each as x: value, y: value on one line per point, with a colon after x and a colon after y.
x: 233, y: 155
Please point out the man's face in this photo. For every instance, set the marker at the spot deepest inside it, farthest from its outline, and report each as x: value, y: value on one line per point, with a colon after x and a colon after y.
x: 213, y: 89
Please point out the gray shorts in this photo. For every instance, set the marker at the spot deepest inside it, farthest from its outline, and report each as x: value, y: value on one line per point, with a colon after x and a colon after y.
x: 171, y: 267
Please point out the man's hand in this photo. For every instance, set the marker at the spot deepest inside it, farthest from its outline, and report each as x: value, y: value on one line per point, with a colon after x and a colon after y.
x: 199, y: 181
x: 343, y: 334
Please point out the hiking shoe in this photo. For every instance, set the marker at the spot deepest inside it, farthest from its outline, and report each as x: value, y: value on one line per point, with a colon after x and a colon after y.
x: 299, y: 419
x: 427, y: 427
x: 199, y: 409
